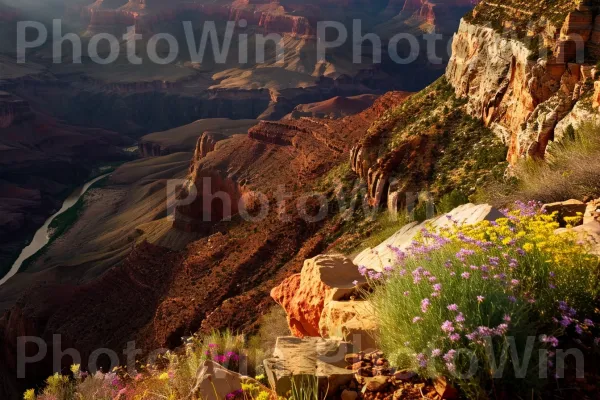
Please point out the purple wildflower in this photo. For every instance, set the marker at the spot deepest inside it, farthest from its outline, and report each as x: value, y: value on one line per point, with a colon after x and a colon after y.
x: 449, y: 356
x: 460, y: 318
x: 436, y: 353
x: 454, y: 337
x: 501, y: 330
x: 565, y: 321
x: 447, y: 327
x: 463, y: 254
x: 549, y: 339
x: 452, y: 307
x: 437, y: 287
x: 417, y: 319
x: 485, y: 331
x: 425, y: 303
x: 465, y: 275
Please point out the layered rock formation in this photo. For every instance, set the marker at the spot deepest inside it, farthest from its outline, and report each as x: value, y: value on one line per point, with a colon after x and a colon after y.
x: 519, y: 96
x: 305, y: 295
x: 434, y: 12
x: 236, y: 168
x: 13, y: 110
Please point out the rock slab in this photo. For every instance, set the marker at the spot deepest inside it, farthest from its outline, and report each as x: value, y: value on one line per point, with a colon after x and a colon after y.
x: 295, y: 359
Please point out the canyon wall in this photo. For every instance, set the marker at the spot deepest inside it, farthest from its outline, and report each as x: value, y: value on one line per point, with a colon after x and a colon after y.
x: 13, y: 110
x: 520, y: 96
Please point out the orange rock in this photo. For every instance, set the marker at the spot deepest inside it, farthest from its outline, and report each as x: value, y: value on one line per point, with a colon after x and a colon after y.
x: 303, y: 296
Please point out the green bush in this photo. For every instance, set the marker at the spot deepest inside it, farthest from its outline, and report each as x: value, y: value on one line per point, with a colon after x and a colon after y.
x: 450, y: 201
x: 466, y: 287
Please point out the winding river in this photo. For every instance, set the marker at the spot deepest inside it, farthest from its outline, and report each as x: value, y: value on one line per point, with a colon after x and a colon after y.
x: 42, y: 236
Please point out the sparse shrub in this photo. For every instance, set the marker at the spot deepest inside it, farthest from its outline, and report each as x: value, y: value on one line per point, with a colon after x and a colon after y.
x: 450, y: 201
x: 569, y: 170
x: 463, y: 288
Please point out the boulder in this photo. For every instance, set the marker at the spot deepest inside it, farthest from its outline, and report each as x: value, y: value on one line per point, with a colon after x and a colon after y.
x: 382, y: 255
x: 592, y: 212
x: 300, y: 359
x: 352, y: 321
x: 214, y: 382
x: 303, y: 296
x: 566, y: 209
x: 589, y: 233
x: 444, y: 389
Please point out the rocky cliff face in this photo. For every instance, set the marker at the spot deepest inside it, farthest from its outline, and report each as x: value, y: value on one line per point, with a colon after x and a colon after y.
x: 433, y: 11
x: 13, y: 110
x: 520, y: 96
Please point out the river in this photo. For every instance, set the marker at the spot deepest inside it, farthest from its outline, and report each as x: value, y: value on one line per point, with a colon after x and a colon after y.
x: 42, y: 236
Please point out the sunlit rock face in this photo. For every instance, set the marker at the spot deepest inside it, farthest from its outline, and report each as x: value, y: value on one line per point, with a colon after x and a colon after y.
x: 522, y: 97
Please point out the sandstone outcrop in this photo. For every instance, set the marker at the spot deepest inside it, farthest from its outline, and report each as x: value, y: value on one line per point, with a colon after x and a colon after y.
x: 215, y: 382
x: 382, y: 255
x: 433, y: 12
x: 206, y: 144
x: 297, y: 359
x: 323, y: 279
x: 352, y: 321
x: 522, y: 98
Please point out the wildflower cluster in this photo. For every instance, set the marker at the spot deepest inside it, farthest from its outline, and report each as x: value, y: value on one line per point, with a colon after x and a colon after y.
x: 83, y: 385
x: 173, y: 377
x: 465, y: 287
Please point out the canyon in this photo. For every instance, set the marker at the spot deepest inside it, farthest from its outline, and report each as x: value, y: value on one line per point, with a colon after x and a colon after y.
x: 151, y: 274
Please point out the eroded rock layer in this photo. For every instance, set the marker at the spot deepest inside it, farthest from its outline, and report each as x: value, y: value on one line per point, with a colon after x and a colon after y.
x: 511, y: 89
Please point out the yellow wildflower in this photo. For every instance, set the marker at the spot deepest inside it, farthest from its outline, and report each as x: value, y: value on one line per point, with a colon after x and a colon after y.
x: 528, y: 247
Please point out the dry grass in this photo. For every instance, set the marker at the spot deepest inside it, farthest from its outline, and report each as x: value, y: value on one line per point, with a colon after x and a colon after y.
x: 571, y: 170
